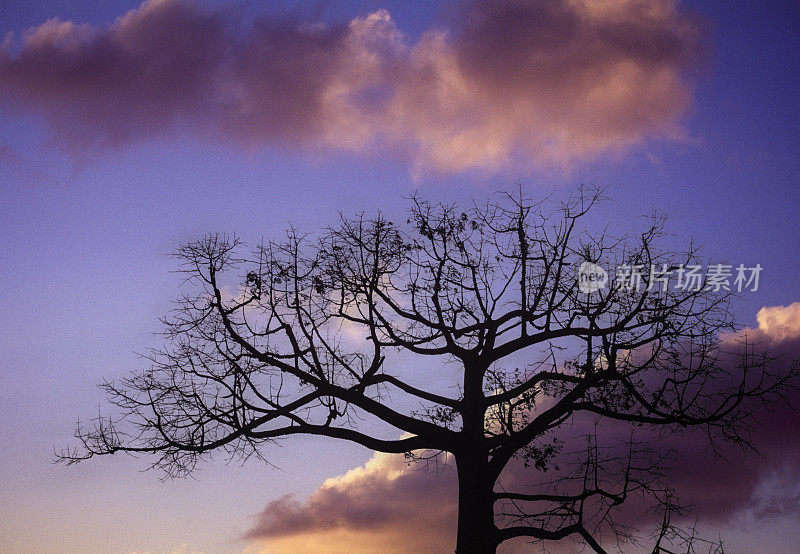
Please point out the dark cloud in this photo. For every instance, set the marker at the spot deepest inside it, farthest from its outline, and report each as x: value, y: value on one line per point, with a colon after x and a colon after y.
x: 762, y: 483
x: 509, y: 81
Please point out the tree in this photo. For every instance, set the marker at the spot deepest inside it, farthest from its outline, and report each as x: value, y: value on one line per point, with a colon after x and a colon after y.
x: 335, y: 335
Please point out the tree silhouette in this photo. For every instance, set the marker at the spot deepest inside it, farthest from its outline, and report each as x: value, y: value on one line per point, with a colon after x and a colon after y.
x: 463, y: 332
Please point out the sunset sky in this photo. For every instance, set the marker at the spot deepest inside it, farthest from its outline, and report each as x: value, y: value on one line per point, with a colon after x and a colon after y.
x: 128, y: 129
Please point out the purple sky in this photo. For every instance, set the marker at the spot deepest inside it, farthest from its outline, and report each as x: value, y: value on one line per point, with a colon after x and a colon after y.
x: 120, y: 139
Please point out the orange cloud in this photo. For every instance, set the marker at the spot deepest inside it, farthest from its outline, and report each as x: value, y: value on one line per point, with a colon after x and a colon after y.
x: 387, y: 505
x: 509, y: 83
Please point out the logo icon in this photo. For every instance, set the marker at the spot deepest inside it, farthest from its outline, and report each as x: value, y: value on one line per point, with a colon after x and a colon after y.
x: 591, y: 277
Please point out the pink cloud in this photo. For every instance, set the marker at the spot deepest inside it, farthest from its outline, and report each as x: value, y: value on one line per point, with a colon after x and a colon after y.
x: 507, y: 82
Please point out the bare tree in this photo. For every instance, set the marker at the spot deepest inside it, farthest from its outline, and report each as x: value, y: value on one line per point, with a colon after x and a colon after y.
x: 463, y: 332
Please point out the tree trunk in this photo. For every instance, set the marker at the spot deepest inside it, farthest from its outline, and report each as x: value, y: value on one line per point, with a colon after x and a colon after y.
x: 477, y: 533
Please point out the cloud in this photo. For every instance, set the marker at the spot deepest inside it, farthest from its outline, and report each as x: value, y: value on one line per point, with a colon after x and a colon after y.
x: 766, y: 483
x: 150, y: 70
x: 505, y: 83
x: 384, y: 506
x: 780, y: 322
x: 389, y: 505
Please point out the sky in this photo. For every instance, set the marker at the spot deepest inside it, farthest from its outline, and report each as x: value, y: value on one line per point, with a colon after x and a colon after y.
x: 128, y: 129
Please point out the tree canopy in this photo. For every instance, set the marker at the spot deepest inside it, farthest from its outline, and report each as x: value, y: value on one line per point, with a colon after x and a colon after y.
x: 460, y: 330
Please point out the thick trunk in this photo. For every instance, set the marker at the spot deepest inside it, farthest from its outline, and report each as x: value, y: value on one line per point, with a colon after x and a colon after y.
x: 477, y: 533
